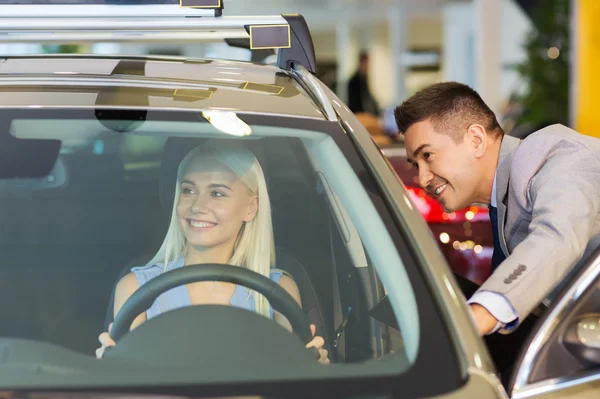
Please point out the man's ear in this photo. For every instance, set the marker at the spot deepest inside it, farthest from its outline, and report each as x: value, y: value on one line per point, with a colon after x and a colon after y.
x: 252, y: 209
x: 478, y: 139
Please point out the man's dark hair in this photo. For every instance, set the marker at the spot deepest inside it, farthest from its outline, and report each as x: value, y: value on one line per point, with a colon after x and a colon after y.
x: 451, y: 107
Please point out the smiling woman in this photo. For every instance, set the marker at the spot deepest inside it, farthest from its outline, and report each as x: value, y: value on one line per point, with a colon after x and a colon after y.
x: 221, y: 215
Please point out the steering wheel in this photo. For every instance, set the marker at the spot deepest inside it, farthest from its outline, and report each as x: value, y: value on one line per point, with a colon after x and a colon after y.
x: 278, y: 297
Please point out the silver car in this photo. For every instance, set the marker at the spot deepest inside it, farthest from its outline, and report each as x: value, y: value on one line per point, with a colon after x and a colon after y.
x: 91, y: 146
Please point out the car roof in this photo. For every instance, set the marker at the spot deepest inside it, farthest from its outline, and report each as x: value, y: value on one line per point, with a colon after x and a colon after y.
x: 170, y: 83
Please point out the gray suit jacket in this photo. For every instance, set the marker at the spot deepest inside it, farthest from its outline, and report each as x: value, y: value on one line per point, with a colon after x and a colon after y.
x: 548, y: 196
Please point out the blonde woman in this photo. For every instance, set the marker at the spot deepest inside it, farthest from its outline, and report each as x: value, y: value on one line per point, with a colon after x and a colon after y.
x: 221, y: 214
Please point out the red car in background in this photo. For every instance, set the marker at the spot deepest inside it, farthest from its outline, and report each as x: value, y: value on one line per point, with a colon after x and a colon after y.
x: 465, y: 236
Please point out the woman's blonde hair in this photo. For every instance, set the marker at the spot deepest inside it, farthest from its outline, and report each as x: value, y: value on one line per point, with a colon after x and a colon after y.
x: 254, y: 248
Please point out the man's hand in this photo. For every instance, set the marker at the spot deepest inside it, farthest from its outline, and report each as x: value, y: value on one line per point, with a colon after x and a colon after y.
x: 483, y: 319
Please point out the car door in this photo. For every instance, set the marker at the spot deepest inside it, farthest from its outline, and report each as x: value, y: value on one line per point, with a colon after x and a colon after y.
x: 562, y: 356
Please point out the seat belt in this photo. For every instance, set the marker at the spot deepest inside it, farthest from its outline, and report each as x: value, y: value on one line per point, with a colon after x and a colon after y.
x: 340, y: 318
x: 340, y: 315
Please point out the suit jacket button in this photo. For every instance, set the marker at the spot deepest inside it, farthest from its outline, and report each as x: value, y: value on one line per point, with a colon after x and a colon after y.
x: 517, y: 272
x: 522, y: 268
x: 507, y: 281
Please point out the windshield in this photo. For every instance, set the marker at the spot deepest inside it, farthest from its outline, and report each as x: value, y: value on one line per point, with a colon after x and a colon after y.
x: 89, y: 199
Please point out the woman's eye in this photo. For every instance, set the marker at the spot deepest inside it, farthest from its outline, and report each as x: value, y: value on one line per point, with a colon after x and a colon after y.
x: 187, y: 190
x: 426, y: 155
x: 217, y: 194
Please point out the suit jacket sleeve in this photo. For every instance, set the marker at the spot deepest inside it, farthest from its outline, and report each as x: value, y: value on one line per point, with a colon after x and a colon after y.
x: 563, y: 200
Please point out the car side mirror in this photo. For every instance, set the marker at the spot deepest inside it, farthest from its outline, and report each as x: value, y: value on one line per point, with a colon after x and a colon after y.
x: 582, y: 338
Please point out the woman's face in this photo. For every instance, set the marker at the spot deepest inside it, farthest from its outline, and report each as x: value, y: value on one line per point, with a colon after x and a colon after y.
x: 213, y: 205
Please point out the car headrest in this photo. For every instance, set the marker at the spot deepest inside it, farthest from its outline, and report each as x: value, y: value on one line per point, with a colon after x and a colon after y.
x: 176, y: 148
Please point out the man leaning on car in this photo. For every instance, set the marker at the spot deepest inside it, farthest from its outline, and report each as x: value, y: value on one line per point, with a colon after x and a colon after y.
x: 543, y: 194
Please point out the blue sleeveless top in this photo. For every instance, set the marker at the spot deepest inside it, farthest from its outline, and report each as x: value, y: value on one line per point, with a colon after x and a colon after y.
x: 179, y: 297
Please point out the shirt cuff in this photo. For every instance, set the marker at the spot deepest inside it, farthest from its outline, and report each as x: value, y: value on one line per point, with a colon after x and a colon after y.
x: 499, y: 307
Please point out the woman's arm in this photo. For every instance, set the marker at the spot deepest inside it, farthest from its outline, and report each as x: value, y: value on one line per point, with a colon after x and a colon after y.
x: 288, y: 284
x: 125, y: 288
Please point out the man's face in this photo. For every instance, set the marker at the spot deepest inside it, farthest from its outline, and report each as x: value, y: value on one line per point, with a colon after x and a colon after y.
x: 448, y: 171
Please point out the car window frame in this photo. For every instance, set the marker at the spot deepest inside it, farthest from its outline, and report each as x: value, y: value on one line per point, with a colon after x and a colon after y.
x: 436, y: 360
x: 560, y: 311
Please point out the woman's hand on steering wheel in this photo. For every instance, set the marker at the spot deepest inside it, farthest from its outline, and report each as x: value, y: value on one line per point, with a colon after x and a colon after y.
x: 317, y: 342
x: 107, y: 341
x: 279, y: 298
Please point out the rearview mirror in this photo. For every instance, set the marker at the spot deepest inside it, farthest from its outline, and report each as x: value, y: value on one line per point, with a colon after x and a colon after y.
x: 582, y: 338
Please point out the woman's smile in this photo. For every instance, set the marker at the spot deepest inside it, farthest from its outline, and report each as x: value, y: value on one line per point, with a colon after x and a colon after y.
x: 200, y: 225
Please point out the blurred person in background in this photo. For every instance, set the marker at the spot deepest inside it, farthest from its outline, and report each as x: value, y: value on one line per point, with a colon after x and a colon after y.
x: 360, y: 99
